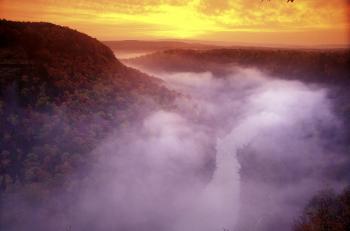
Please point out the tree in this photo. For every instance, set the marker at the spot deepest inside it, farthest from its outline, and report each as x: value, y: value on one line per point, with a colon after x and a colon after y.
x: 326, y: 212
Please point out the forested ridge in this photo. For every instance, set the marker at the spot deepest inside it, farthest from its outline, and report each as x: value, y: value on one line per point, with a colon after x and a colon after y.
x: 61, y: 93
x: 151, y: 46
x: 314, y: 65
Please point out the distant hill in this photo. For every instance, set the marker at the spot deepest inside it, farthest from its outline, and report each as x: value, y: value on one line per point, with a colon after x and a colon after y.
x: 61, y: 93
x: 330, y: 65
x: 160, y: 45
x: 126, y: 47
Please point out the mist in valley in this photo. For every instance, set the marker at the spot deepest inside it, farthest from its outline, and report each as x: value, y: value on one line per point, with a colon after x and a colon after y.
x: 174, y: 115
x: 239, y: 152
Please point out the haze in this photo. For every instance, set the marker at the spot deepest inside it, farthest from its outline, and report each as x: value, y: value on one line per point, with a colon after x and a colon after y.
x: 155, y: 175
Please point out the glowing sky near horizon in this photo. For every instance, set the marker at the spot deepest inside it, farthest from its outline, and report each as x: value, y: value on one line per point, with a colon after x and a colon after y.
x: 304, y: 22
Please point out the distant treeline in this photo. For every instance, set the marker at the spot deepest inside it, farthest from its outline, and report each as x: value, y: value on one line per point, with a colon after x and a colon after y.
x: 330, y: 65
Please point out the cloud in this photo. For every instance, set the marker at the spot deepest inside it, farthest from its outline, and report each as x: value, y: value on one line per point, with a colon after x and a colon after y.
x: 184, y: 19
x: 276, y: 145
x: 240, y: 151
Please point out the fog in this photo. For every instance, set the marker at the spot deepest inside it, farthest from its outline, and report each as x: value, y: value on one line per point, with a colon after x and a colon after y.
x: 240, y: 152
x: 128, y: 54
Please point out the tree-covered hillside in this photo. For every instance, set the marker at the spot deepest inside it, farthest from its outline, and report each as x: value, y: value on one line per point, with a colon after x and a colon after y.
x: 326, y: 211
x: 61, y: 93
x: 330, y: 65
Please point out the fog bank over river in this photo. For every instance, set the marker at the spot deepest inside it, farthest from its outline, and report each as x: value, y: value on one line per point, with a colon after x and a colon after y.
x: 269, y: 141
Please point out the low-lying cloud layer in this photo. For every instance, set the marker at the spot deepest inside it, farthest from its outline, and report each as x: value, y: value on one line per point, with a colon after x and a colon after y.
x: 243, y: 152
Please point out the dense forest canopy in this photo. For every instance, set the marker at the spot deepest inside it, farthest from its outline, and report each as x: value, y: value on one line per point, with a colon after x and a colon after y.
x: 326, y: 211
x: 61, y: 93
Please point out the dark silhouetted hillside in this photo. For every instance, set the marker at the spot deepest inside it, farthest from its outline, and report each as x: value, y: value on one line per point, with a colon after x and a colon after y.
x: 61, y: 93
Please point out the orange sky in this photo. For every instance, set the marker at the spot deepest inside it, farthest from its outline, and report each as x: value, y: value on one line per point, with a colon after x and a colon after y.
x: 304, y: 22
